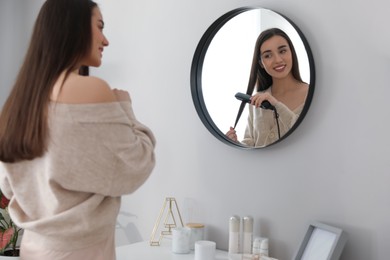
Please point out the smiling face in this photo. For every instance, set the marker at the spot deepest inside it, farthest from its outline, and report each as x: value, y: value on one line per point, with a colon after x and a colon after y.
x: 99, y: 41
x: 276, y: 57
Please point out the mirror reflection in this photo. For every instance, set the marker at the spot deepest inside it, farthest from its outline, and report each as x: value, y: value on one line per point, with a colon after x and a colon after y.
x: 257, y: 52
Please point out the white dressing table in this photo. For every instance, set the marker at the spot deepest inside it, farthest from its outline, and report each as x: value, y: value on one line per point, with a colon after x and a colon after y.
x: 143, y: 251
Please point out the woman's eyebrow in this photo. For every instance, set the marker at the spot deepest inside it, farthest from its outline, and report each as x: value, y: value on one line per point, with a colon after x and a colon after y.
x: 266, y: 51
x: 269, y: 51
x: 282, y: 46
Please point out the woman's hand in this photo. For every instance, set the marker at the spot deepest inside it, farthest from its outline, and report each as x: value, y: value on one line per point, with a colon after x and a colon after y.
x: 121, y: 95
x: 259, y: 97
x: 231, y: 134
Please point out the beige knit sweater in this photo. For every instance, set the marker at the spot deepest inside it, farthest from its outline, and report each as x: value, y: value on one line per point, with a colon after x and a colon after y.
x: 262, y: 129
x: 70, y: 198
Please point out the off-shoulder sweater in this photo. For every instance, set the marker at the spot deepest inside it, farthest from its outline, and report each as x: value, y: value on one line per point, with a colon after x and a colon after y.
x: 262, y: 128
x: 70, y: 197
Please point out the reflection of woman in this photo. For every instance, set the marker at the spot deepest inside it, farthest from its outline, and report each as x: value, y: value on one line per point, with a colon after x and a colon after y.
x: 70, y: 147
x: 275, y: 73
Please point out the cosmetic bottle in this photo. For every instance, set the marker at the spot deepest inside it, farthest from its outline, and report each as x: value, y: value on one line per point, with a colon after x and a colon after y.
x: 256, y: 246
x: 234, y: 235
x: 247, y: 235
x: 264, y: 247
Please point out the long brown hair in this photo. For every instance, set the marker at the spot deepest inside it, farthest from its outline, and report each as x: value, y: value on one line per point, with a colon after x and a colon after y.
x: 61, y: 37
x: 258, y: 75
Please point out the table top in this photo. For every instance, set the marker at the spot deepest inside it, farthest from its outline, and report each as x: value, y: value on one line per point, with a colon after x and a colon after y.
x: 143, y: 250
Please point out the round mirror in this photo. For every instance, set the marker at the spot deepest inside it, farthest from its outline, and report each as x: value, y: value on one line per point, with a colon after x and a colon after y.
x: 231, y: 57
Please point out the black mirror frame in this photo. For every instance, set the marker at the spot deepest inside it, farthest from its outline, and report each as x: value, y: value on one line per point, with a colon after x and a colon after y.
x: 196, y: 77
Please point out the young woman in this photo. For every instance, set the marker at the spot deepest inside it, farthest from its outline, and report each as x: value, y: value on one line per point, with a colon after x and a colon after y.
x: 70, y: 146
x: 275, y: 74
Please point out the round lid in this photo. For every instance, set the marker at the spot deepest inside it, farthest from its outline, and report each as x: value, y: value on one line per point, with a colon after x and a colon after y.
x: 195, y: 225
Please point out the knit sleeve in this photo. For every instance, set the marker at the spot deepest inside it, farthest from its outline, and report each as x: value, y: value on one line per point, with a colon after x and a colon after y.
x: 104, y: 150
x: 135, y: 158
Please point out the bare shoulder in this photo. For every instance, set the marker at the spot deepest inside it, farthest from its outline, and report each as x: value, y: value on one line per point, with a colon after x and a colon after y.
x: 85, y: 89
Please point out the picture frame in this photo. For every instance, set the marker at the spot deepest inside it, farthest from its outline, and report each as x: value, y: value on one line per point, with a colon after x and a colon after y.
x: 321, y: 242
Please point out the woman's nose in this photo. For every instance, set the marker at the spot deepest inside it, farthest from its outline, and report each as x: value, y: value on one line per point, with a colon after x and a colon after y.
x: 278, y: 58
x: 105, y: 41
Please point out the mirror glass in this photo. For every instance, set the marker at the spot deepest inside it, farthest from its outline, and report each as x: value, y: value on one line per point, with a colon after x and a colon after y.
x: 222, y: 64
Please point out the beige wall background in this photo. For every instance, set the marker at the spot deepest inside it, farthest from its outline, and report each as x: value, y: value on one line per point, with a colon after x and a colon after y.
x: 334, y: 168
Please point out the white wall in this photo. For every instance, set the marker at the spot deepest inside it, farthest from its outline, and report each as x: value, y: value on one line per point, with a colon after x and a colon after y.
x: 16, y: 18
x: 334, y: 168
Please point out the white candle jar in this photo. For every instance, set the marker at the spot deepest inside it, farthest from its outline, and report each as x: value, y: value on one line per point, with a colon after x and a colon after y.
x: 197, y: 233
x: 181, y: 240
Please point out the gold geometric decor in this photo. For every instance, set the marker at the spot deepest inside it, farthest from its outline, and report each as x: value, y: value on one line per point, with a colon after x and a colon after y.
x: 169, y: 221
